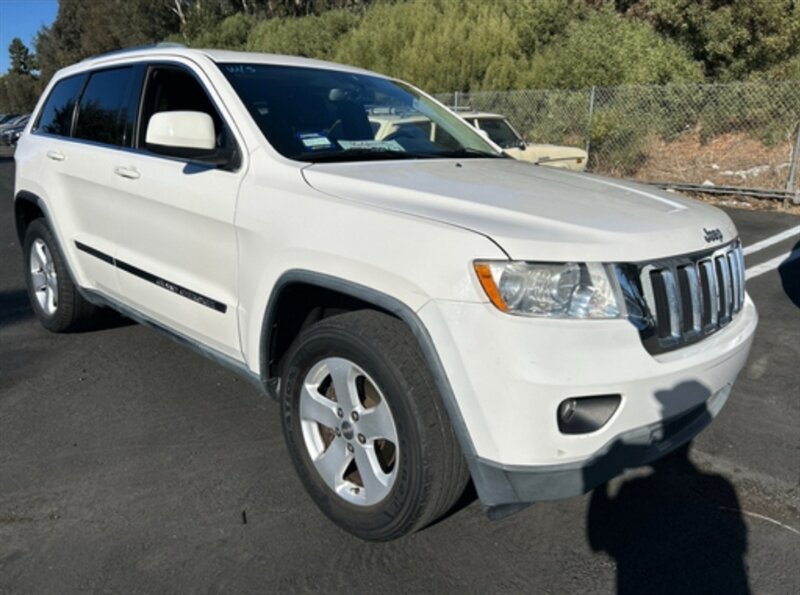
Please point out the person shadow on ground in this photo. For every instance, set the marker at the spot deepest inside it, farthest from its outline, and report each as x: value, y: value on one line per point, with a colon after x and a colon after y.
x: 677, y: 530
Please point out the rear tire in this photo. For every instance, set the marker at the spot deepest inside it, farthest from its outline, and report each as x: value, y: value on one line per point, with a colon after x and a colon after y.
x: 55, y: 299
x: 378, y: 456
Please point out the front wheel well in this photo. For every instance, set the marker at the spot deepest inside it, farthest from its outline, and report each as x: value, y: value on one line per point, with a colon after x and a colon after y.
x: 297, y: 306
x: 26, y: 210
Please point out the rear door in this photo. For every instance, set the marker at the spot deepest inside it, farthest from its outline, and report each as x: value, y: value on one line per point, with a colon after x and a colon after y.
x: 82, y: 125
x: 176, y: 259
x: 103, y: 127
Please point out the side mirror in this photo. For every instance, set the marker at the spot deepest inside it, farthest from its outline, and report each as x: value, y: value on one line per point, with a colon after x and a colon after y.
x: 523, y: 145
x: 181, y: 133
x: 188, y: 135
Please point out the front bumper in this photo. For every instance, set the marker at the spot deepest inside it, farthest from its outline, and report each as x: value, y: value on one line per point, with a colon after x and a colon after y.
x: 505, y: 488
x: 509, y: 374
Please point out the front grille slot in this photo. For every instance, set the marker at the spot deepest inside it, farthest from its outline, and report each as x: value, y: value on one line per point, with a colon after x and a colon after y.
x: 662, y: 313
x: 690, y: 297
x: 691, y: 300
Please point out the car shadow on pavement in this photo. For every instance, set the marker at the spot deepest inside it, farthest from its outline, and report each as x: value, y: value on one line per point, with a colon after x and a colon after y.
x: 790, y: 277
x: 14, y: 306
x: 677, y: 530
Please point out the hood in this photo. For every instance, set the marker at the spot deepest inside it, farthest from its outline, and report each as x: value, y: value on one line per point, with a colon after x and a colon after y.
x: 532, y: 212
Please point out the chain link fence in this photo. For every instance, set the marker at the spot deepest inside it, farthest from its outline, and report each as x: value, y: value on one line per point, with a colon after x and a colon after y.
x: 738, y: 138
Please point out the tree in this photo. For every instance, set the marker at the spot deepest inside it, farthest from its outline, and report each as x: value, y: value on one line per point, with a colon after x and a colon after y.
x: 19, y: 88
x: 20, y: 58
x: 83, y: 29
x: 732, y: 38
x: 18, y: 93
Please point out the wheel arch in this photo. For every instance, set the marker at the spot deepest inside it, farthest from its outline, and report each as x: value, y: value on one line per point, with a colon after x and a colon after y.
x: 27, y: 208
x: 365, y: 297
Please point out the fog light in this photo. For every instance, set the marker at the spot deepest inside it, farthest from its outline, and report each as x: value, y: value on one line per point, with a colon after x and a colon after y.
x: 566, y: 410
x: 581, y: 415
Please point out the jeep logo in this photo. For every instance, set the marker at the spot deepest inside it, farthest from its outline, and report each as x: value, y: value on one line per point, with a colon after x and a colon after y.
x: 712, y: 235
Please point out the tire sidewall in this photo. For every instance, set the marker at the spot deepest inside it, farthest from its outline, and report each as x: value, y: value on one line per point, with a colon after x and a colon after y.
x: 39, y: 230
x: 394, y: 511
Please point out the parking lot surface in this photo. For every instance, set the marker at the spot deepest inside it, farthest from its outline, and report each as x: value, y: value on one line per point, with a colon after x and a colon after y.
x: 128, y: 464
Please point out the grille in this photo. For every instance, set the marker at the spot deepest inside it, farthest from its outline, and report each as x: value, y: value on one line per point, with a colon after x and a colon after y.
x: 677, y: 301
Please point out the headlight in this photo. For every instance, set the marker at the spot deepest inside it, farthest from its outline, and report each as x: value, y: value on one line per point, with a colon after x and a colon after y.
x: 563, y: 290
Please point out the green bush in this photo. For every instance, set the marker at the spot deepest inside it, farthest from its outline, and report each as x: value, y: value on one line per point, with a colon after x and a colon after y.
x: 230, y: 33
x: 618, y: 143
x: 608, y: 49
x: 440, y: 45
x: 731, y: 38
x: 310, y: 36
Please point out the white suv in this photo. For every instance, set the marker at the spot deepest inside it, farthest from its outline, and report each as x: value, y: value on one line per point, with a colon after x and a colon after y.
x: 424, y: 312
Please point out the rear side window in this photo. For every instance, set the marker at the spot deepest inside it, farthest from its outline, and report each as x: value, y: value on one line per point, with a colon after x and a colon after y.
x: 104, y: 105
x: 56, y: 115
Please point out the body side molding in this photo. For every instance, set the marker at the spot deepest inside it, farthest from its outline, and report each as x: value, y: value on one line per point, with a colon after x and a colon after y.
x: 198, y: 298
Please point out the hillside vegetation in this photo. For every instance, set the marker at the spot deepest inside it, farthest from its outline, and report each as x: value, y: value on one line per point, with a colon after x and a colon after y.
x: 443, y: 45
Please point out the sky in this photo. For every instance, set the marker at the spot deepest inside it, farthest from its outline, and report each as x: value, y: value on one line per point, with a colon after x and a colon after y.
x: 23, y: 18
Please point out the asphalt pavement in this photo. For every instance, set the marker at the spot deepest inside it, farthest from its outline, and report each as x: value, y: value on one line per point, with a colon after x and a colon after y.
x: 129, y: 464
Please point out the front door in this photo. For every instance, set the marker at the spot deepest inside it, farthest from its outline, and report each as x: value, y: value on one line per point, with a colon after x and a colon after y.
x: 176, y: 254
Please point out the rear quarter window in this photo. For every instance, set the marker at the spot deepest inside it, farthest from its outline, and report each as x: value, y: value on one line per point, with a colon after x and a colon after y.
x: 56, y: 115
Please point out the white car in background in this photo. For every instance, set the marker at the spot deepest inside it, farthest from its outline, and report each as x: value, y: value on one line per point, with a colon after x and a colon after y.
x: 501, y: 133
x: 386, y: 122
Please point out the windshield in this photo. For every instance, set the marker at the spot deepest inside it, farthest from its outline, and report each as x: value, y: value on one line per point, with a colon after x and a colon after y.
x: 319, y: 115
x: 500, y: 132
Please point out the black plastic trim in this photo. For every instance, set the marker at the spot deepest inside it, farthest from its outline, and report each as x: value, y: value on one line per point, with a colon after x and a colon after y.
x: 96, y: 253
x: 403, y: 312
x: 198, y: 298
x: 655, y: 339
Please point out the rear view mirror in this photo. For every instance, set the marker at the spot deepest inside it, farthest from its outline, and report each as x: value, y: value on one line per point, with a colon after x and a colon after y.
x: 181, y: 133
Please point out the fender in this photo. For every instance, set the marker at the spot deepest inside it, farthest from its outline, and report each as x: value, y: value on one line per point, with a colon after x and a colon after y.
x: 42, y: 206
x: 25, y: 195
x: 401, y: 311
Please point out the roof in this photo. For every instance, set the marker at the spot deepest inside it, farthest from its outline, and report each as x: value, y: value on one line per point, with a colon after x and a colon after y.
x: 219, y: 56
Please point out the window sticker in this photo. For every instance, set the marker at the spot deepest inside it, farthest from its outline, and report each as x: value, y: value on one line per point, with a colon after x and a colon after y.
x: 381, y: 145
x: 314, y: 141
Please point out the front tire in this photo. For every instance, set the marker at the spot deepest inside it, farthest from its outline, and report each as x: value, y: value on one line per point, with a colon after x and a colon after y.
x: 54, y: 297
x: 366, y: 429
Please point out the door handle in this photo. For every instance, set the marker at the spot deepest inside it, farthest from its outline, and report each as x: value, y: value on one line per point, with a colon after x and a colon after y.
x: 127, y: 172
x: 56, y: 155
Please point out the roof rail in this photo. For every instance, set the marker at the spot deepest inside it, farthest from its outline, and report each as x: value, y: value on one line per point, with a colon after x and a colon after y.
x: 162, y: 44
